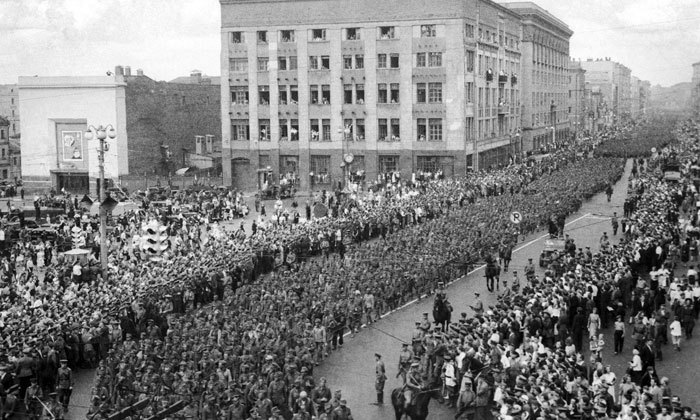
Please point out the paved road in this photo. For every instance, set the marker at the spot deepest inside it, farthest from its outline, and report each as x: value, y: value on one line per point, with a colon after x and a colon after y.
x: 352, y: 368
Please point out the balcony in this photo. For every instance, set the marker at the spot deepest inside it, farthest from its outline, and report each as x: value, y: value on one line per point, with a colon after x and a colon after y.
x: 502, y: 78
x: 514, y: 80
x: 503, y: 109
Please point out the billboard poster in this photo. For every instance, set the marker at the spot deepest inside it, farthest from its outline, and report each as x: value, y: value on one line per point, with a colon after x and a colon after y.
x: 72, y: 142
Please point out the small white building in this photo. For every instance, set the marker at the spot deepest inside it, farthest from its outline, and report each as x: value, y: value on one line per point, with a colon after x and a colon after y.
x: 56, y: 112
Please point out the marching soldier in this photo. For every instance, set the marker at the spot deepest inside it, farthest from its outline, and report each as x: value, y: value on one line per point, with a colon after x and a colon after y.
x: 405, y: 358
x: 380, y: 372
x: 31, y: 400
x: 478, y: 307
x: 65, y: 384
x: 417, y: 339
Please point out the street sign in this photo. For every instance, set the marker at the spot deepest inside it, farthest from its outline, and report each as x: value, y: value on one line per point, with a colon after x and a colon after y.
x: 516, y: 217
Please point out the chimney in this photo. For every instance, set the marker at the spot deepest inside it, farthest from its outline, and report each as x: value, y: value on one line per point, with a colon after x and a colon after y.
x: 127, y: 71
x: 198, y: 144
x: 139, y: 72
x: 119, y: 71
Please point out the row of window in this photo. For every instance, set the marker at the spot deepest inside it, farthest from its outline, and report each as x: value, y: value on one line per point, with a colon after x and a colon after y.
x: 382, y: 33
x: 320, y: 34
x: 388, y: 129
x: 320, y: 165
x: 430, y: 93
x: 323, y: 62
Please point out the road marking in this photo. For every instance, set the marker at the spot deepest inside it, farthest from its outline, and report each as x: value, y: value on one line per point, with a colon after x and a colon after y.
x: 471, y: 272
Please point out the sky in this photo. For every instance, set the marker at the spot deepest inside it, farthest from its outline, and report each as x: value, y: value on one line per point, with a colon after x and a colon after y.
x: 657, y: 39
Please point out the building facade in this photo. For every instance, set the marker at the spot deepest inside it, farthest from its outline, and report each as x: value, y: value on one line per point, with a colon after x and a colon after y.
x: 9, y: 107
x: 155, y: 122
x: 695, y: 91
x: 6, y: 174
x: 545, y: 66
x: 614, y: 83
x: 317, y: 92
x: 577, y: 98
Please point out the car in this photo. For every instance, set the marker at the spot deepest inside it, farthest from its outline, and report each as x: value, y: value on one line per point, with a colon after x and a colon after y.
x: 553, y: 248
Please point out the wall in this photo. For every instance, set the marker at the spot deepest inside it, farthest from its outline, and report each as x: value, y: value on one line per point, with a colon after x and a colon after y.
x: 171, y: 114
x: 9, y: 107
x: 47, y: 102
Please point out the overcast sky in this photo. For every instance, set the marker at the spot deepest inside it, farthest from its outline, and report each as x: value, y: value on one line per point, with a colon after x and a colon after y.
x: 657, y: 39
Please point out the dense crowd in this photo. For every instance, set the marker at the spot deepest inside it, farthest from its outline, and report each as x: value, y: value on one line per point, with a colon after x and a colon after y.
x: 524, y: 358
x: 162, y: 312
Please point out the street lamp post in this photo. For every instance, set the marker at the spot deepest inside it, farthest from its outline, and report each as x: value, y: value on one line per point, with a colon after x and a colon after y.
x: 519, y: 141
x: 101, y: 133
x: 346, y: 132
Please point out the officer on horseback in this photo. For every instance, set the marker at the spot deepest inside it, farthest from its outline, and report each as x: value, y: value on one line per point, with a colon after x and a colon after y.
x: 413, y: 384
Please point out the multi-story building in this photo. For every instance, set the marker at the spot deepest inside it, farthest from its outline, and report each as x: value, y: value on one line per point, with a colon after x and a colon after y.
x: 155, y: 122
x: 320, y: 91
x: 5, y: 172
x: 639, y: 97
x: 545, y: 66
x: 9, y: 107
x: 695, y: 92
x: 614, y: 81
x: 577, y: 98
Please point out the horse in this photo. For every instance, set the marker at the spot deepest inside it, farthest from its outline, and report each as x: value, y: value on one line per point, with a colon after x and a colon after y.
x: 419, y: 409
x: 442, y: 312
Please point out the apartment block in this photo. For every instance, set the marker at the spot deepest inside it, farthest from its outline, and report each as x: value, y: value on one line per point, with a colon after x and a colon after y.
x: 614, y: 82
x: 545, y: 66
x: 321, y: 92
x: 577, y: 98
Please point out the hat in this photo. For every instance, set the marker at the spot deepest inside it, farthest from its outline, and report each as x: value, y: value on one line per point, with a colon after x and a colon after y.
x: 404, y: 345
x: 377, y: 355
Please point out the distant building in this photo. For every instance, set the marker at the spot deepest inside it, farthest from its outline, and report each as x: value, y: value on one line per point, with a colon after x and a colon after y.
x: 197, y: 78
x: 9, y: 107
x: 155, y: 123
x: 577, y: 98
x: 5, y: 170
x: 545, y: 87
x: 614, y: 82
x: 695, y: 95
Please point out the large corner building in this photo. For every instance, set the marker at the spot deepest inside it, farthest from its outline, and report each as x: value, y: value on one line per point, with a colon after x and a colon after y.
x: 319, y: 91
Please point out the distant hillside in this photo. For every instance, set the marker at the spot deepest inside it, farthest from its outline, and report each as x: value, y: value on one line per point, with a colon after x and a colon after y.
x: 671, y: 99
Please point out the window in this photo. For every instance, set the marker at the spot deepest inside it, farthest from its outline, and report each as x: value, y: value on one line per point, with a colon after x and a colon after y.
x: 262, y: 63
x: 288, y: 36
x: 237, y: 37
x: 395, y: 130
x: 470, y: 61
x: 435, y: 92
x: 320, y: 166
x: 326, y: 94
x: 313, y: 94
x: 360, y: 129
x: 4, y: 171
x: 347, y: 94
x: 264, y: 94
x: 352, y: 34
x: 318, y: 34
x: 313, y: 62
x: 240, y: 131
x: 359, y: 61
x: 325, y: 62
x: 386, y: 32
x: 429, y: 164
x: 14, y: 161
x: 292, y: 62
x: 326, y: 126
x: 421, y: 94
x: 388, y: 164
x: 282, y: 63
x: 394, y: 94
x: 383, y: 131
x: 435, y: 129
x: 239, y: 95
x: 315, y: 131
x: 347, y: 62
x: 428, y: 31
x: 421, y: 60
x: 262, y: 37
x: 381, y: 61
x: 435, y: 59
x: 382, y: 94
x: 470, y: 91
x: 347, y: 133
x: 284, y: 130
x: 394, y: 61
x: 360, y: 94
x: 422, y: 129
x: 238, y: 64
x: 264, y: 130
x: 284, y: 98
x: 294, y: 131
x: 469, y: 30
x: 293, y: 94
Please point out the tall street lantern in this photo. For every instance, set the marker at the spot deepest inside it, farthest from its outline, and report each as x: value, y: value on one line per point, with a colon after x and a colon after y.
x: 102, y: 133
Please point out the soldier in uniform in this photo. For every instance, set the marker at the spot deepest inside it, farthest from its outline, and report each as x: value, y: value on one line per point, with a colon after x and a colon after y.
x: 478, y: 307
x: 417, y: 339
x: 405, y: 358
x: 31, y: 400
x: 64, y: 387
x: 380, y: 372
x: 413, y: 384
x: 529, y: 270
x: 425, y: 323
